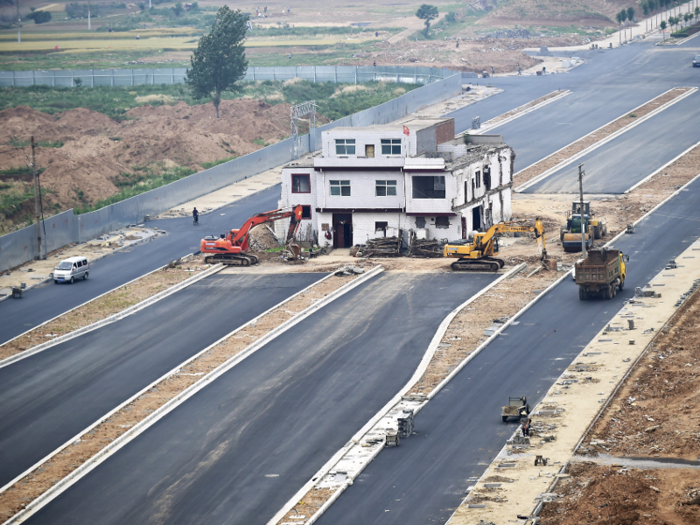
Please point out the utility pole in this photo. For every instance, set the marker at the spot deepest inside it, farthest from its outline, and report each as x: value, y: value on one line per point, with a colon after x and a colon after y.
x: 89, y: 28
x: 19, y: 24
x: 37, y: 199
x: 581, y: 173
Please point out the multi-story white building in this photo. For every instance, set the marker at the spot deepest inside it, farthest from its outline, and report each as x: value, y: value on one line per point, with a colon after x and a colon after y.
x: 376, y: 181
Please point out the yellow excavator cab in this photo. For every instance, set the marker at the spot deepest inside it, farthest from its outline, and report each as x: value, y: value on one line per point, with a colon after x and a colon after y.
x: 477, y: 253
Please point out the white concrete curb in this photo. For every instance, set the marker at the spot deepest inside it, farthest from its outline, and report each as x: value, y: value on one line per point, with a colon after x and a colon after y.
x: 489, y: 127
x: 420, y: 370
x: 112, y: 318
x: 168, y: 407
x: 602, y: 141
x: 662, y: 168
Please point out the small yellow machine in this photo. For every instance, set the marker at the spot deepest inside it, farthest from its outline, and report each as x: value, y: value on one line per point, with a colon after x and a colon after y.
x: 477, y: 253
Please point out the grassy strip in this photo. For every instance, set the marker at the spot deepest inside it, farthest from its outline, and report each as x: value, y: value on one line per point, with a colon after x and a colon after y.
x: 334, y: 100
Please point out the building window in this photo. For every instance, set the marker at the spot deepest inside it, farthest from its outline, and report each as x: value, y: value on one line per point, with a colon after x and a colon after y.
x: 340, y: 188
x: 391, y: 146
x: 487, y: 178
x: 344, y: 146
x: 477, y: 175
x: 429, y: 187
x: 306, y: 212
x: 301, y: 184
x: 381, y: 227
x: 420, y: 222
x: 386, y: 188
x: 442, y: 222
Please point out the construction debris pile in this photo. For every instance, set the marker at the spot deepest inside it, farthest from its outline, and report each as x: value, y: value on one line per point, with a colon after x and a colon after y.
x: 426, y: 248
x: 263, y: 238
x: 392, y: 247
x: 381, y: 247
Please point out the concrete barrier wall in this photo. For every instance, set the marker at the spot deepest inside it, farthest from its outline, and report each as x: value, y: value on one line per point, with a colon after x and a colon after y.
x: 20, y: 246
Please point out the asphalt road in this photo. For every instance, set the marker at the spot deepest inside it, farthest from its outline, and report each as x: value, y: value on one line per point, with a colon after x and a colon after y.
x: 48, y: 398
x: 624, y: 161
x: 49, y: 300
x: 239, y: 449
x: 459, y: 432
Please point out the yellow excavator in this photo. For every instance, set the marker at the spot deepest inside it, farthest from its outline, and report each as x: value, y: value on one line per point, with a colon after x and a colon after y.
x: 477, y: 253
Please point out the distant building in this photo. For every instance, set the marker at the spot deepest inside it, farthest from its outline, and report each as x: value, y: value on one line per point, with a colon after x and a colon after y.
x: 382, y: 180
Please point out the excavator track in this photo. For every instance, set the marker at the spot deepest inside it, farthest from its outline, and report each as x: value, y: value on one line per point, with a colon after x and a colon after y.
x: 489, y: 264
x: 231, y: 260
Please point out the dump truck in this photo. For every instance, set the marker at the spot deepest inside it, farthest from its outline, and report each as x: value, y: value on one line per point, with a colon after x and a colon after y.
x: 570, y: 234
x: 602, y: 273
x: 516, y: 407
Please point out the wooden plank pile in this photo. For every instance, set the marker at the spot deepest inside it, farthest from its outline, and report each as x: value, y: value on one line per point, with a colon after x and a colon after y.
x: 426, y: 248
x: 381, y: 247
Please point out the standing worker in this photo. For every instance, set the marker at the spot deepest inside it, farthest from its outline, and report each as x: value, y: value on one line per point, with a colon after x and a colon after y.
x: 526, y: 427
x: 195, y: 216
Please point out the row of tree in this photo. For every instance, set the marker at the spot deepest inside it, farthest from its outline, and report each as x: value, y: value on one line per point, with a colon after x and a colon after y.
x: 624, y: 15
x: 674, y: 21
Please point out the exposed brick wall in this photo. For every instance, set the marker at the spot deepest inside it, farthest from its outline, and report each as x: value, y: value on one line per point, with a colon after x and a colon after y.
x: 445, y: 131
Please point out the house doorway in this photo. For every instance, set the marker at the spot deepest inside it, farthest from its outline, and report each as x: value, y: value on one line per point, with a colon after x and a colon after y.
x: 476, y: 218
x: 342, y: 228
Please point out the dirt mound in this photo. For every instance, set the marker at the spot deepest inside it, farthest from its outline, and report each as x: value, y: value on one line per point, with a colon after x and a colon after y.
x: 97, y: 150
x: 610, y: 495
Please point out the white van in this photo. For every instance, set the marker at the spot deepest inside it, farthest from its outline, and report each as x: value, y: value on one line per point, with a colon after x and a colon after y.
x: 71, y: 269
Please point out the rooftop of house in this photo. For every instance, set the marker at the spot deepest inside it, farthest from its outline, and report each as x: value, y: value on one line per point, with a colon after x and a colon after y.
x: 414, y: 124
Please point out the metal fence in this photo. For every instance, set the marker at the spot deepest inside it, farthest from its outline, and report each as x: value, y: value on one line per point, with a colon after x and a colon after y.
x: 176, y: 75
x: 65, y: 228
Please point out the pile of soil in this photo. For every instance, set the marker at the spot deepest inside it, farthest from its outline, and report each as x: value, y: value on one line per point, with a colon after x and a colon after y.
x: 615, y: 496
x: 98, y: 149
x: 655, y: 412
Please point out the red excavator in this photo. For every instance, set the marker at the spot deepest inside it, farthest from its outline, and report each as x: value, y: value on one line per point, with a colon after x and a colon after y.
x: 231, y: 249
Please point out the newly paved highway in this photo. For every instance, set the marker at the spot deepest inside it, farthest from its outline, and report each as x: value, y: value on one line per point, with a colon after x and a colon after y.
x: 48, y: 398
x: 624, y: 161
x: 460, y: 431
x: 50, y: 300
x: 239, y: 449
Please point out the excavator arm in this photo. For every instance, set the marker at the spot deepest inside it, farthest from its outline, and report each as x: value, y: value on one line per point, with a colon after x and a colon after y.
x: 478, y: 254
x: 240, y: 237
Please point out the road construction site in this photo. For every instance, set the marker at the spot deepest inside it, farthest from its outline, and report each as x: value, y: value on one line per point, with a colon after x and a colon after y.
x: 253, y: 437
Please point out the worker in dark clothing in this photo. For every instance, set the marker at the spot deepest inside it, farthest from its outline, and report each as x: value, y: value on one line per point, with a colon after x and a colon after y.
x: 526, y: 427
x: 195, y: 215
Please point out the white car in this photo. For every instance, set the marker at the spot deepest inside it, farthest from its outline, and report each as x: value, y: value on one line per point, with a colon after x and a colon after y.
x: 71, y: 269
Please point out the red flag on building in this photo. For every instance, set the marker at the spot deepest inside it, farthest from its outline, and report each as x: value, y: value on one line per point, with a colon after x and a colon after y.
x: 406, y: 131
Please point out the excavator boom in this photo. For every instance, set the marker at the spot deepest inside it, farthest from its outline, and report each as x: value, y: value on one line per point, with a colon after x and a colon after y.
x: 231, y: 249
x: 478, y: 254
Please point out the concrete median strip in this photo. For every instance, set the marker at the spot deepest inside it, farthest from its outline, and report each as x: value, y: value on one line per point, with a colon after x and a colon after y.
x: 175, y: 388
x: 520, y: 111
x: 570, y: 153
x: 110, y: 319
x: 326, y: 485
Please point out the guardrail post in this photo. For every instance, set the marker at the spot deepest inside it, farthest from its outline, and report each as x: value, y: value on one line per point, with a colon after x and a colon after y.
x: 355, y: 74
x: 33, y: 78
x: 132, y: 76
x: 335, y: 75
x: 93, y: 78
x: 314, y: 74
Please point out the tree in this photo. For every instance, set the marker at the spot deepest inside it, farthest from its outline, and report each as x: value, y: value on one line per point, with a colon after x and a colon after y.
x: 219, y: 60
x: 645, y: 8
x: 663, y: 28
x: 687, y: 17
x: 621, y: 16
x: 451, y: 17
x: 427, y: 12
x: 697, y: 12
x: 630, y: 14
x: 39, y: 17
x: 178, y: 9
